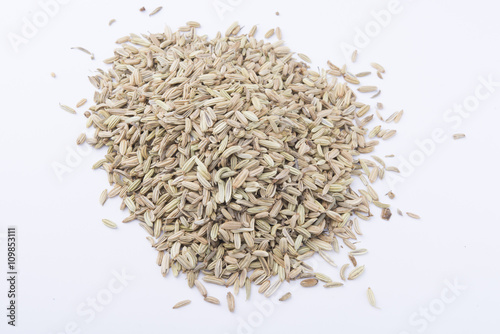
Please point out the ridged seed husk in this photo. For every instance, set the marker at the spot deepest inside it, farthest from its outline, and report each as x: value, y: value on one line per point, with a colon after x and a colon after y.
x: 230, y: 302
x: 212, y: 300
x: 356, y: 273
x: 182, y: 303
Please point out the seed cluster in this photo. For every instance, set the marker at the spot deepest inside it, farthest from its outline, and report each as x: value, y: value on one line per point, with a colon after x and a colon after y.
x: 236, y: 158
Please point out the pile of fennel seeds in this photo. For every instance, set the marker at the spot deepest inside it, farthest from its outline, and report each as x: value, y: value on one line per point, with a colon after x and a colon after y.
x: 236, y: 158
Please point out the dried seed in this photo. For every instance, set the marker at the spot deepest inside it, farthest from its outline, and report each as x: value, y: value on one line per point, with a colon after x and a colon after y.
x: 193, y: 24
x: 367, y: 89
x: 333, y: 285
x: 378, y: 67
x: 357, y: 252
x: 156, y: 10
x: 201, y: 288
x: 353, y: 260
x: 412, y: 215
x: 356, y: 273
x: 269, y: 33
x: 363, y: 74
x: 231, y: 28
x: 84, y: 50
x: 304, y: 57
x: 81, y: 139
x: 278, y: 33
x: 371, y: 298
x: 109, y: 223
x: 252, y: 31
x: 323, y: 277
x: 212, y: 300
x: 182, y: 303
x: 81, y: 103
x: 230, y: 301
x: 354, y: 56
x: 342, y: 271
x: 67, y: 109
x: 458, y: 136
x: 286, y: 296
x: 309, y: 282
x: 103, y: 197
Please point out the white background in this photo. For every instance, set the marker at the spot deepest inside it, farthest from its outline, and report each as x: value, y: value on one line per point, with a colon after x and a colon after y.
x: 434, y: 52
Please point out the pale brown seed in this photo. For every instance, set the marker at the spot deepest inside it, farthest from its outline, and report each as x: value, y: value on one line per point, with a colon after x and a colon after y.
x: 212, y: 300
x: 354, y: 56
x: 278, y: 33
x: 359, y: 251
x: 392, y: 117
x: 81, y: 103
x: 231, y: 28
x: 458, y: 136
x: 103, y: 197
x: 363, y: 74
x: 353, y: 260
x: 304, y: 57
x: 84, y: 50
x: 286, y: 296
x: 398, y: 117
x: 156, y: 10
x: 328, y: 259
x: 269, y: 33
x: 109, y: 223
x: 52, y: 74
x: 181, y: 304
x: 81, y: 139
x: 193, y: 24
x: 342, y: 271
x: 111, y: 22
x: 392, y: 169
x: 201, y: 288
x: 378, y: 67
x: 230, y: 301
x: 412, y: 215
x: 252, y: 31
x: 323, y: 277
x: 356, y: 273
x: 371, y: 298
x: 367, y: 89
x: 309, y: 282
x: 67, y: 109
x: 333, y: 285
x: 389, y: 134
